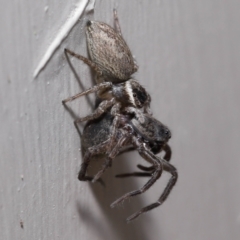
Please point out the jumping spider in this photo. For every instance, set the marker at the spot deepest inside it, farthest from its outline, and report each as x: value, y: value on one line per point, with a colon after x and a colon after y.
x: 123, y: 118
x: 113, y: 62
x: 148, y: 137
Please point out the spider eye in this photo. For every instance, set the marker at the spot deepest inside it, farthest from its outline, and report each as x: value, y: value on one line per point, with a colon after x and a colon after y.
x: 140, y: 95
x: 168, y: 133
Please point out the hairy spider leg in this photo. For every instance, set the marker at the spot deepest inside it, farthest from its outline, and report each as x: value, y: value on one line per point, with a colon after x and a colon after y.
x: 119, y: 31
x: 110, y: 157
x: 116, y: 22
x: 148, y: 170
x: 110, y: 143
x: 171, y: 169
x: 104, y: 147
x: 100, y: 86
x: 103, y: 106
x: 91, y: 151
x: 150, y: 157
x: 85, y: 60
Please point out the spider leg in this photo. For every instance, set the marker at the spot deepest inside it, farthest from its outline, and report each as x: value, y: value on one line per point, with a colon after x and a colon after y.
x: 170, y: 168
x: 106, y: 165
x: 103, y: 106
x: 118, y: 30
x: 168, y: 152
x: 114, y: 128
x: 116, y: 22
x: 167, y: 157
x: 85, y: 60
x: 91, y: 151
x: 150, y: 157
x: 100, y: 86
x: 111, y: 156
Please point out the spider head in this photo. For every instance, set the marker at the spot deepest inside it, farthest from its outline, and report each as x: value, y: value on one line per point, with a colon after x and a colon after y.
x: 136, y: 94
x: 162, y: 135
x: 131, y: 93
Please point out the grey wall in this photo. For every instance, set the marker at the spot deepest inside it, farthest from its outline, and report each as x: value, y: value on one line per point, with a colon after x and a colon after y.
x: 188, y: 57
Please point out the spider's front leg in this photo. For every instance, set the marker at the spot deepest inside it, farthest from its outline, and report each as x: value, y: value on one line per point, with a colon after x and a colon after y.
x: 103, y: 106
x: 101, y: 86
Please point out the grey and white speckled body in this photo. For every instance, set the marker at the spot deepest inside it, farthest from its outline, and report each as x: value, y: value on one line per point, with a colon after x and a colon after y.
x: 110, y: 52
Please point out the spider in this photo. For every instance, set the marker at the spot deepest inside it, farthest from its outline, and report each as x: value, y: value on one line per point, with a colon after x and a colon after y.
x: 148, y: 137
x: 113, y: 62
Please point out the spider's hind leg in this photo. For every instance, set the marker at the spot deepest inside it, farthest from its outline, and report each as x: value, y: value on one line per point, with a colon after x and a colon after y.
x: 100, y: 86
x: 150, y: 157
x: 170, y: 168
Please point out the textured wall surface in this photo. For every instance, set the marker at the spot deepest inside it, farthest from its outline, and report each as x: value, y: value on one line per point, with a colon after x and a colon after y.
x: 188, y: 54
